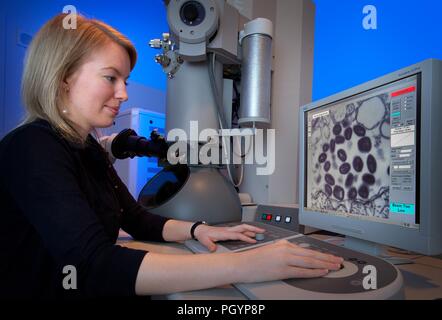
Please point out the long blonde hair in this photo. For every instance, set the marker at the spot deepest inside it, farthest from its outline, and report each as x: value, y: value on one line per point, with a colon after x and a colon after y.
x: 56, y: 53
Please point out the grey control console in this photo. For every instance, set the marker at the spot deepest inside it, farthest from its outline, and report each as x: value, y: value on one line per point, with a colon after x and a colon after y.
x: 361, y: 277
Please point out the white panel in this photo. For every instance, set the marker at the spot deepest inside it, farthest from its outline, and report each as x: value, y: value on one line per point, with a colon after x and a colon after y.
x: 292, y: 87
x: 137, y: 171
x: 245, y: 7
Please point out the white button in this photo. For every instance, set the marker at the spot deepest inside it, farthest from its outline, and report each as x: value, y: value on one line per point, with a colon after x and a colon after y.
x: 278, y: 218
x: 288, y: 219
x: 348, y: 270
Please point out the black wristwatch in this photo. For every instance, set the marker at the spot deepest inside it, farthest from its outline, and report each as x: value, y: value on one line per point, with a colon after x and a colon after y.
x: 196, y: 224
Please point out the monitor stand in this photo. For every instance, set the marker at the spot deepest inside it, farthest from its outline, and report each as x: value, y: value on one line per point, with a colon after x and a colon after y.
x: 374, y: 249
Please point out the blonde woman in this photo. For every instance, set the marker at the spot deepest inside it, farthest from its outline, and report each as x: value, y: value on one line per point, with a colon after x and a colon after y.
x: 63, y: 203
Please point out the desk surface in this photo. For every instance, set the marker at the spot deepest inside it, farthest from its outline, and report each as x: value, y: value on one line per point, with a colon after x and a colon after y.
x: 423, y: 279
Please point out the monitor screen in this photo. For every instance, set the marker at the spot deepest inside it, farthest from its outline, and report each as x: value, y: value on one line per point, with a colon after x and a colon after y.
x: 362, y: 155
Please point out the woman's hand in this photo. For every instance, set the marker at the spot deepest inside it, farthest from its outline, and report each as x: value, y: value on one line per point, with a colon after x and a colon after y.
x: 208, y: 235
x: 283, y: 260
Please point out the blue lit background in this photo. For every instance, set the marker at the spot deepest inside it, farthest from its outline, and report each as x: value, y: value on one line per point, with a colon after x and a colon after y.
x: 139, y: 20
x: 345, y: 54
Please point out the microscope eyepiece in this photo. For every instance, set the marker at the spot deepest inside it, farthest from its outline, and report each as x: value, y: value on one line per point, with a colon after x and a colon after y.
x: 127, y: 144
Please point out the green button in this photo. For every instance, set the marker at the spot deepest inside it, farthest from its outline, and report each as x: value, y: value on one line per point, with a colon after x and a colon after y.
x: 403, y: 208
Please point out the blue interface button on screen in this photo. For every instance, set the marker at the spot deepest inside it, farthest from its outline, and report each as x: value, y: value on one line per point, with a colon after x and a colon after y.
x: 403, y: 208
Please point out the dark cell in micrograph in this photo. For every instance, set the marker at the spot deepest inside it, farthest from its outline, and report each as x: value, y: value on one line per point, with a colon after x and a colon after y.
x: 349, y: 180
x: 339, y: 139
x: 322, y: 157
x: 363, y: 191
x: 342, y: 155
x: 315, y: 122
x: 350, y: 108
x: 325, y: 147
x: 352, y: 193
x: 388, y: 170
x: 316, y: 166
x: 345, y: 123
x: 359, y: 130
x: 329, y: 179
x: 344, y: 168
x: 378, y: 141
x: 358, y: 164
x: 326, y: 166
x: 318, y: 179
x: 337, y: 129
x: 371, y: 163
x: 338, y: 192
x: 364, y: 144
x: 368, y: 179
x: 332, y: 145
x: 348, y: 133
x: 328, y: 190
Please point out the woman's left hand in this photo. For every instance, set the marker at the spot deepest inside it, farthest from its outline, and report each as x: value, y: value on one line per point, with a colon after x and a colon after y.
x: 208, y: 235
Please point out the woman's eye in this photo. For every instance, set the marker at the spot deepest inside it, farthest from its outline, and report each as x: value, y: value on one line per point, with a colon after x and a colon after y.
x: 110, y: 78
x: 113, y: 79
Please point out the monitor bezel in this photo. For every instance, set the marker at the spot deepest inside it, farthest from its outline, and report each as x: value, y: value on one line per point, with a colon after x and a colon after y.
x: 425, y: 239
x: 418, y: 129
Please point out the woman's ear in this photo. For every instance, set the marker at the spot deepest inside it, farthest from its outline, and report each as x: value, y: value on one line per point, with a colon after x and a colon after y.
x: 65, y: 85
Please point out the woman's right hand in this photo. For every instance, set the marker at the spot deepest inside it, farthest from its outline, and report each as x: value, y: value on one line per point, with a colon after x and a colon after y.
x: 283, y: 260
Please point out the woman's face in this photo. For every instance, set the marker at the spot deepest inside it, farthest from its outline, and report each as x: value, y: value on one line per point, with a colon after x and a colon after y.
x: 97, y: 88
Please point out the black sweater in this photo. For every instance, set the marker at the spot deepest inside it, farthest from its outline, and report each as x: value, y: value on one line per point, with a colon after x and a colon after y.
x: 63, y: 205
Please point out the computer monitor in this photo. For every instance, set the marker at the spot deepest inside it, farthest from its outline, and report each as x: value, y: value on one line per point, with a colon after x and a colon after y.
x: 371, y: 161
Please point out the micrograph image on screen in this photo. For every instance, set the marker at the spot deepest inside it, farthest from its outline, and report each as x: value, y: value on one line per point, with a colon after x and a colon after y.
x: 348, y: 164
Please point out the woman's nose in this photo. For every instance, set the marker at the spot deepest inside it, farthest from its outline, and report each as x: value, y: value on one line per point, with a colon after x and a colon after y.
x: 121, y: 93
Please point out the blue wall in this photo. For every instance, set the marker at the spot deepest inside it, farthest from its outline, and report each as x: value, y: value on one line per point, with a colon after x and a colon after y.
x: 408, y: 31
x: 345, y: 54
x: 140, y: 20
